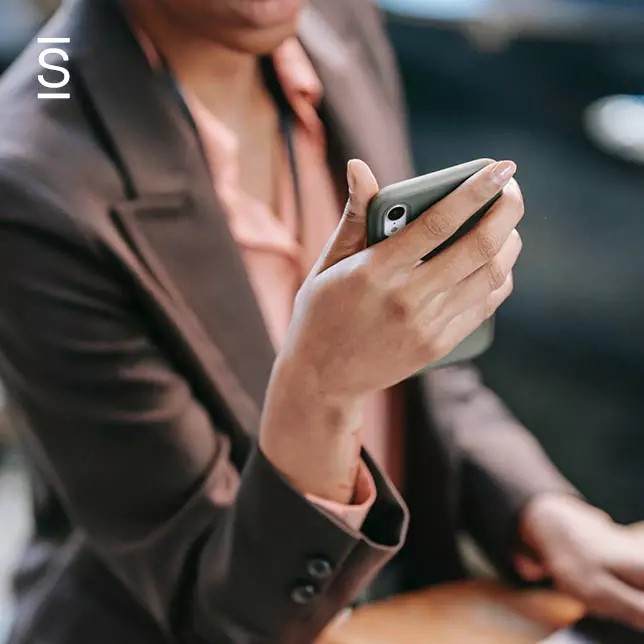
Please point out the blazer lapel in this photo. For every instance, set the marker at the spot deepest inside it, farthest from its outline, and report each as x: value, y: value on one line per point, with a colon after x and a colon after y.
x: 171, y: 217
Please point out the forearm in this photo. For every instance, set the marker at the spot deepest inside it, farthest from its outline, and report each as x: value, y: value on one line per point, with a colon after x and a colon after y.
x: 312, y: 439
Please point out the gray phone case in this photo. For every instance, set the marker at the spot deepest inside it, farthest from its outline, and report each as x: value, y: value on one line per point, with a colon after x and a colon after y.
x: 417, y: 195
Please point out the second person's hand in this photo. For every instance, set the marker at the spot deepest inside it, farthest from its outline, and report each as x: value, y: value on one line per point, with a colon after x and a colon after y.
x: 586, y: 554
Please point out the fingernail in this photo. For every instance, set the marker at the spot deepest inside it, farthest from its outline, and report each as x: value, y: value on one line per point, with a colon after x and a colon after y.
x: 351, y: 175
x: 503, y: 172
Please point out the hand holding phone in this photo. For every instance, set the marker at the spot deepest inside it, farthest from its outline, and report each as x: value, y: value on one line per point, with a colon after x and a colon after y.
x: 396, y: 206
x: 367, y: 318
x: 375, y: 316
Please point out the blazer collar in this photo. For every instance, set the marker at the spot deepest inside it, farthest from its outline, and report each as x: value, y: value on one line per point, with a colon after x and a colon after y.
x: 171, y: 215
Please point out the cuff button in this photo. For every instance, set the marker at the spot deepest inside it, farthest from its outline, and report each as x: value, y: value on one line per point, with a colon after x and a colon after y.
x: 319, y: 569
x: 303, y: 594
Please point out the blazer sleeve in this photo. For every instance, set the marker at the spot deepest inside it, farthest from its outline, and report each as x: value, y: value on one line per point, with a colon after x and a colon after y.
x: 213, y: 551
x: 503, y: 465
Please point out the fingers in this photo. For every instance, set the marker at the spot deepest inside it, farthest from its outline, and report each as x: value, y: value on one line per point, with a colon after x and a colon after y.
x: 491, y: 277
x: 349, y: 237
x: 608, y: 596
x: 466, y: 323
x: 479, y: 247
x: 441, y: 221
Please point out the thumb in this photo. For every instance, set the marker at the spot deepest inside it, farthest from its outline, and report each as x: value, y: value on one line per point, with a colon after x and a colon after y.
x: 529, y: 569
x: 350, y: 235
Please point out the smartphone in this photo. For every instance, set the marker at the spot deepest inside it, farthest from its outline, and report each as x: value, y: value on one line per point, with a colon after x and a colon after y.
x: 397, y: 205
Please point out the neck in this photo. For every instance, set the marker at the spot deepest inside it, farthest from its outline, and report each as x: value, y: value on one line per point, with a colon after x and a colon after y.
x: 226, y: 81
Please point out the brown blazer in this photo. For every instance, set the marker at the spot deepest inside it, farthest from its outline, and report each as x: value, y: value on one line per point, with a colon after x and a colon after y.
x: 136, y: 360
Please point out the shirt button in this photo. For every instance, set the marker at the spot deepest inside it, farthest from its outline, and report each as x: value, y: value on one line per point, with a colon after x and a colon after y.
x: 303, y: 594
x: 319, y: 569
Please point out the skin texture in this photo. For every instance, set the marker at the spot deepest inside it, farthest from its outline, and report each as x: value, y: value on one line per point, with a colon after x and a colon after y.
x: 335, y: 355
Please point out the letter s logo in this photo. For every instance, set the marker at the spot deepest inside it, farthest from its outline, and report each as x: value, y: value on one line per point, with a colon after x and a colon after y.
x: 42, y: 59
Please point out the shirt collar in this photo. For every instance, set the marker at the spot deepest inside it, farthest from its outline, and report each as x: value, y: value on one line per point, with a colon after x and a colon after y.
x: 295, y: 73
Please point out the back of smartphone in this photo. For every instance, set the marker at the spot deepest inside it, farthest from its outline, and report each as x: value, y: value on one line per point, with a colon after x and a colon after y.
x: 398, y: 205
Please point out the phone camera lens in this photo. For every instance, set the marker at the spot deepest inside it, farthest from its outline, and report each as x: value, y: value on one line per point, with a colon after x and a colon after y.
x: 396, y: 213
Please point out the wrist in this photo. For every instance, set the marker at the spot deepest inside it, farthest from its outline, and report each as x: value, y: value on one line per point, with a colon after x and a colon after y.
x: 545, y: 509
x: 295, y: 378
x: 313, y: 439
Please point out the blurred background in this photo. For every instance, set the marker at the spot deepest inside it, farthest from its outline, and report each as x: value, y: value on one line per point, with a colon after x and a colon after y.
x: 554, y: 85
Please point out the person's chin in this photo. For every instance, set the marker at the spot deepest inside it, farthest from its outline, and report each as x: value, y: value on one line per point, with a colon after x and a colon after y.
x: 265, y: 14
x: 260, y: 26
x: 259, y: 41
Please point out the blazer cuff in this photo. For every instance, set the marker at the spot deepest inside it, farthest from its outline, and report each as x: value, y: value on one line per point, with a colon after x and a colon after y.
x: 301, y: 564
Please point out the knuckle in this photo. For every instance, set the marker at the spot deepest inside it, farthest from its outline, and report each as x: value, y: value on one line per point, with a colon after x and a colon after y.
x: 497, y: 298
x: 518, y: 239
x: 363, y: 278
x: 509, y: 285
x: 437, y: 223
x: 514, y: 195
x: 352, y: 211
x: 420, y: 338
x: 432, y: 331
x: 491, y: 305
x: 496, y: 274
x: 487, y: 244
x: 480, y: 192
x: 356, y: 207
x: 431, y: 341
x: 387, y: 257
x: 440, y: 348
